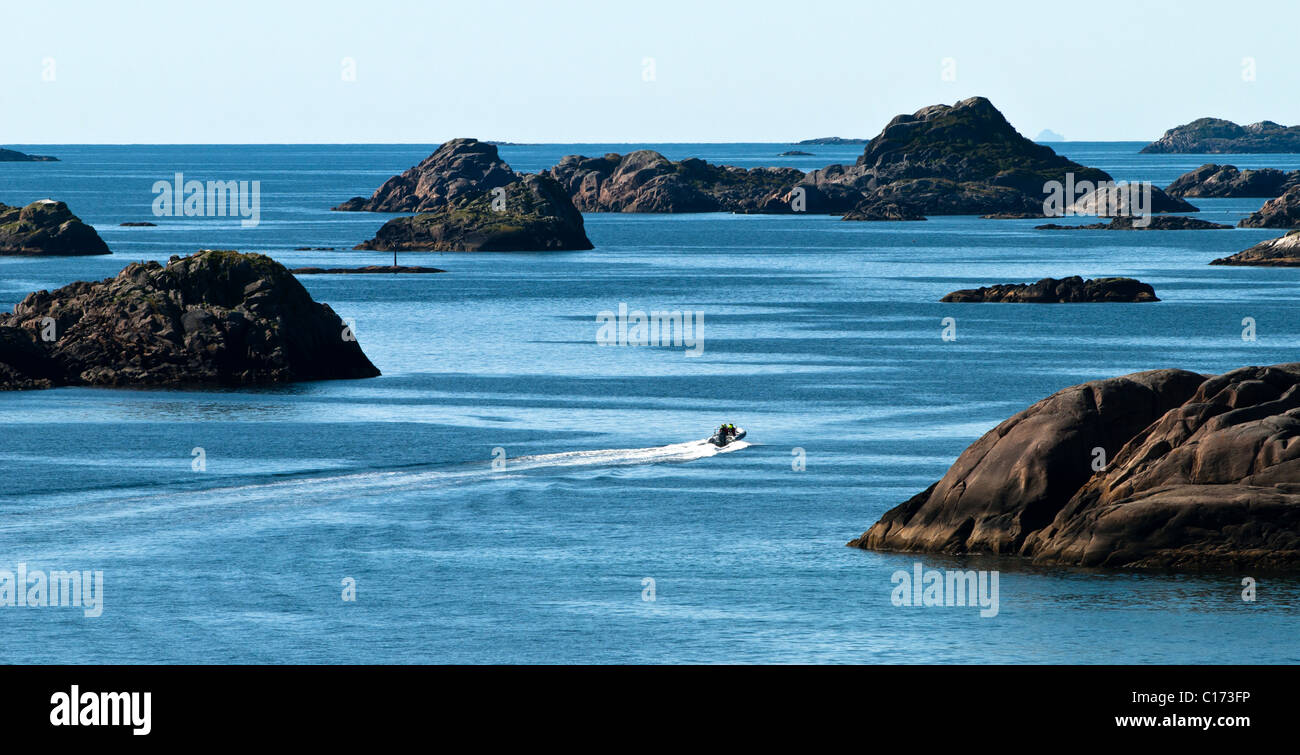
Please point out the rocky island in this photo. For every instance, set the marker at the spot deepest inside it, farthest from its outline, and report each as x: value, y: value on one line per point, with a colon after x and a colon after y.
x: 215, y: 317
x: 470, y: 200
x: 1215, y: 135
x: 46, y: 227
x: 1160, y: 469
x: 1059, y: 291
x: 1281, y: 212
x: 1127, y: 223
x: 1280, y: 252
x: 14, y: 156
x: 961, y: 159
x: 1213, y: 180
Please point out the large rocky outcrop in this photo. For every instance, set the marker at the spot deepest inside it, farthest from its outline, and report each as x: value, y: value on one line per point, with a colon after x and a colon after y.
x: 531, y: 214
x: 46, y: 227
x: 215, y: 317
x: 1281, y: 212
x: 1215, y: 135
x: 1213, y: 180
x: 1064, y: 290
x: 963, y: 159
x: 14, y: 156
x: 1280, y: 252
x: 458, y: 168
x: 1201, y: 473
x: 646, y: 181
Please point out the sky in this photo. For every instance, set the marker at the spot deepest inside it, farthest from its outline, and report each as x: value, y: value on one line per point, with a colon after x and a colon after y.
x: 616, y: 71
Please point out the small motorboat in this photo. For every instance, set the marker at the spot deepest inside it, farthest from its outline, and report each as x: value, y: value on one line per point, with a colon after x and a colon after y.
x: 727, y: 435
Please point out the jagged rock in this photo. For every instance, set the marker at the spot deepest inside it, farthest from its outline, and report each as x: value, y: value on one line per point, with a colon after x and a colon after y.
x: 1280, y: 252
x: 536, y: 215
x: 1213, y: 180
x: 1281, y: 212
x: 1195, y: 473
x: 646, y: 181
x: 14, y: 156
x: 1215, y: 135
x: 46, y: 227
x: 215, y: 317
x: 882, y: 209
x: 458, y: 168
x: 1127, y: 223
x: 1053, y: 290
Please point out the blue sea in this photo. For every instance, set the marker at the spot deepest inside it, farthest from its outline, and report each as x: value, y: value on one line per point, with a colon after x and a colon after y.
x: 605, y: 533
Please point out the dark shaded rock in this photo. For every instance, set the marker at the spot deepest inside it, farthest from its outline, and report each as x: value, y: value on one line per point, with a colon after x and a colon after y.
x: 1203, y: 473
x: 216, y: 317
x: 1279, y: 252
x: 46, y: 227
x: 367, y: 270
x: 14, y: 156
x: 1281, y: 212
x: 1052, y: 290
x: 537, y: 216
x: 458, y: 168
x: 955, y: 160
x: 1126, y: 223
x: 795, y: 153
x: 646, y: 181
x: 313, y: 249
x: 884, y: 209
x: 830, y: 140
x: 1215, y: 135
x: 1212, y: 180
x: 139, y: 224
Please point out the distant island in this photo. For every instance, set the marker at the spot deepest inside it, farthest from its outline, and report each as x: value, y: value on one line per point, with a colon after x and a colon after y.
x: 1215, y: 135
x: 13, y: 156
x: 830, y: 140
x: 1048, y: 135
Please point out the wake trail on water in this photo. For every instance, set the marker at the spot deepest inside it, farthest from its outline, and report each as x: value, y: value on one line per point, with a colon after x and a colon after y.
x: 342, y: 484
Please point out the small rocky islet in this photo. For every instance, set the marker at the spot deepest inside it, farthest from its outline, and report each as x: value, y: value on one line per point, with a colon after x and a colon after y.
x: 46, y: 228
x: 469, y: 200
x: 1128, y: 223
x: 1071, y: 290
x: 14, y: 156
x: 1227, y: 181
x: 1283, y: 251
x: 212, y: 318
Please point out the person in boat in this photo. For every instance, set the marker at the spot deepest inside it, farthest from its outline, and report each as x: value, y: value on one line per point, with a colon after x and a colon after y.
x: 726, y: 433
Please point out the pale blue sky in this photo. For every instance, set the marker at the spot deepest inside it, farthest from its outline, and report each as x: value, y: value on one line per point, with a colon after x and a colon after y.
x: 237, y: 72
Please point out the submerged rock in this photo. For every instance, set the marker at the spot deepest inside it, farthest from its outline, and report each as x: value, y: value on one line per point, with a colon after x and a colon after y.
x: 1281, y: 212
x: 1160, y: 469
x: 1213, y: 180
x: 1053, y: 290
x: 215, y: 317
x: 46, y: 227
x: 1280, y: 252
x: 1215, y: 135
x: 535, y: 215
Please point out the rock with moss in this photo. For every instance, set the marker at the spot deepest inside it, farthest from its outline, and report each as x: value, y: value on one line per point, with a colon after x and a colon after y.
x: 532, y: 214
x: 1217, y: 136
x: 14, y: 156
x: 1214, y: 180
x: 1283, y: 251
x: 46, y: 227
x: 215, y: 317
